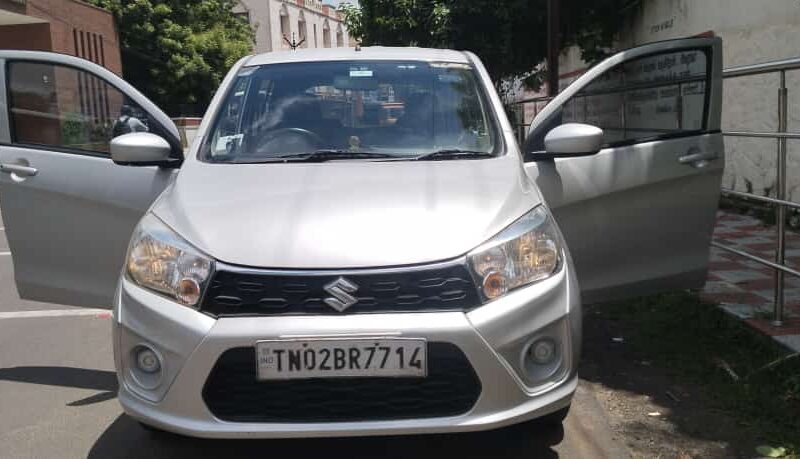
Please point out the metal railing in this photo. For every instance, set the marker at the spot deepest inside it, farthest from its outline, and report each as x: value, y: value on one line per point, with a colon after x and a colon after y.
x: 519, y: 124
x: 779, y: 201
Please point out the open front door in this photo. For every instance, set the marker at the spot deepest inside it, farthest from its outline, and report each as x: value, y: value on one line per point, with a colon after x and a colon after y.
x: 68, y: 209
x: 638, y: 215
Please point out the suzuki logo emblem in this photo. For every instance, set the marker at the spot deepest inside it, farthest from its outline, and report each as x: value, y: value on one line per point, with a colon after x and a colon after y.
x: 341, y: 290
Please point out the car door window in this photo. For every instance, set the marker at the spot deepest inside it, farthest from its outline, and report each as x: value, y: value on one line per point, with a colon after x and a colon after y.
x: 640, y: 100
x: 68, y: 109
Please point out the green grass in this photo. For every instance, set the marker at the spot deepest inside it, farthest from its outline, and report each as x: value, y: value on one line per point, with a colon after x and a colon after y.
x: 689, y: 337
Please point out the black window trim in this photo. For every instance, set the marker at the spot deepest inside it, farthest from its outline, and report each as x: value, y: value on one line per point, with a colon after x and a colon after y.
x: 175, y: 162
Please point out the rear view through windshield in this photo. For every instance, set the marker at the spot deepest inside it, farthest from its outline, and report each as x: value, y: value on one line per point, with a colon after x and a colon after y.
x: 382, y: 109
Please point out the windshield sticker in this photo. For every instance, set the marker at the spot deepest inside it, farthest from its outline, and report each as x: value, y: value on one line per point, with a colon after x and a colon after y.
x: 360, y: 73
x: 449, y: 65
x: 247, y: 71
x: 227, y: 141
x: 450, y: 78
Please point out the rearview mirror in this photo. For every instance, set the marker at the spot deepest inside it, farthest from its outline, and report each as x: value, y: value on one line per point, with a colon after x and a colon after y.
x: 573, y: 139
x: 140, y: 149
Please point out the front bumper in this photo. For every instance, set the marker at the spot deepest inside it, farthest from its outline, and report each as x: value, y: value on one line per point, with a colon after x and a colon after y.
x: 190, y: 344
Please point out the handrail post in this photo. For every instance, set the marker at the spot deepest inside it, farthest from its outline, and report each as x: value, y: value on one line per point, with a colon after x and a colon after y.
x: 781, y: 194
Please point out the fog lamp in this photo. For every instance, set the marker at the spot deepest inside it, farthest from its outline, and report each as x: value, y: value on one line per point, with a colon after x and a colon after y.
x: 147, y: 360
x: 542, y: 351
x: 542, y: 357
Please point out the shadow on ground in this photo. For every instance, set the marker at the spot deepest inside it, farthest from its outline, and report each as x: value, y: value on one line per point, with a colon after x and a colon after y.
x: 79, y: 378
x: 125, y: 438
x: 654, y: 411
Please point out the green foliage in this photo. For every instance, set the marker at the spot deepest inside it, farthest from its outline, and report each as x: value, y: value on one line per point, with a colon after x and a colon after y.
x: 178, y: 51
x: 593, y: 29
x: 352, y: 19
x: 510, y: 36
x: 73, y: 129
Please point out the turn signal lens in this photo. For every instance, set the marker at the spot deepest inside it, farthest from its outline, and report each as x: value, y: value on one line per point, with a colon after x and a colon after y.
x: 527, y: 251
x: 494, y: 285
x: 188, y: 291
x: 159, y: 260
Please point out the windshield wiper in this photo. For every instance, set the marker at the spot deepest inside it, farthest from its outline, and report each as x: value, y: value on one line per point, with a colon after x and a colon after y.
x: 318, y: 156
x: 452, y: 153
x: 328, y: 155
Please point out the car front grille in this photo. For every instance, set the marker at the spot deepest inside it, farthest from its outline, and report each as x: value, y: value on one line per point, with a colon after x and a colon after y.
x: 233, y: 394
x: 242, y: 291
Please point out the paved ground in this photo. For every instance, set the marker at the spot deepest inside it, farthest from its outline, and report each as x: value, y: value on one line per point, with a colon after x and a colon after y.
x: 57, y: 399
x: 745, y: 288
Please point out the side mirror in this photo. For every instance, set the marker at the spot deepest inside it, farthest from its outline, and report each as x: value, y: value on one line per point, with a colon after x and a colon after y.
x: 140, y: 149
x: 573, y: 139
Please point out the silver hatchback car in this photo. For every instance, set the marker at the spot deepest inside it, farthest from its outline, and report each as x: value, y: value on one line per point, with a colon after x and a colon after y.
x: 355, y: 243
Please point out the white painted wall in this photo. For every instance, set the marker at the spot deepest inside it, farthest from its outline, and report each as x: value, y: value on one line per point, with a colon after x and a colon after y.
x: 265, y: 16
x: 752, y: 31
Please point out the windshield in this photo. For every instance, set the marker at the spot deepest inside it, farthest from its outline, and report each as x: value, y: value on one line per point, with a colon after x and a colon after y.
x: 352, y: 110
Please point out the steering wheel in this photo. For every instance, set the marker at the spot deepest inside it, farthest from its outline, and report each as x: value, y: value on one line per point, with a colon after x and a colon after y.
x: 287, y: 141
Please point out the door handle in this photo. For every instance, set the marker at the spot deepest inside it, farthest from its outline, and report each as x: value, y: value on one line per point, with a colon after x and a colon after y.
x: 696, y: 158
x: 18, y: 169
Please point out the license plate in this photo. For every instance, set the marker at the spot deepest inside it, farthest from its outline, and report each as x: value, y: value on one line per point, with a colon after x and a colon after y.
x: 341, y: 358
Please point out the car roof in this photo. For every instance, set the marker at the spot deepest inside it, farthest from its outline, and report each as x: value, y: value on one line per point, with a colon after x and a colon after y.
x: 367, y: 53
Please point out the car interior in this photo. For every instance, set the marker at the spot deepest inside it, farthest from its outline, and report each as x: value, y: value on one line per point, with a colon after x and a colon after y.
x: 277, y: 112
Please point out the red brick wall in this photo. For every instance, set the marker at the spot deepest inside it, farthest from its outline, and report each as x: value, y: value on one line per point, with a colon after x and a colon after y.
x: 81, y: 30
x: 34, y: 37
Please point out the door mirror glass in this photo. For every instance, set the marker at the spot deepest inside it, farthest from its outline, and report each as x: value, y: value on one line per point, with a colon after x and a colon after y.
x: 140, y: 149
x: 573, y: 139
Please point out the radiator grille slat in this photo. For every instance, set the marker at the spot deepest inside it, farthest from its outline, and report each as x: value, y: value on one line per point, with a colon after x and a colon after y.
x: 446, y: 287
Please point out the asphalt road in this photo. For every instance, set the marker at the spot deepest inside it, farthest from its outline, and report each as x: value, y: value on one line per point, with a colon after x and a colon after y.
x: 58, y: 399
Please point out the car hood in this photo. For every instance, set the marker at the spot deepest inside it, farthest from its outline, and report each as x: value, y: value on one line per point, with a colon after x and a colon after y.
x: 345, y: 214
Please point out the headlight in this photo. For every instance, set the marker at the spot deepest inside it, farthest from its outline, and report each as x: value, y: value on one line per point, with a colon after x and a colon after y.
x: 527, y: 251
x: 160, y: 260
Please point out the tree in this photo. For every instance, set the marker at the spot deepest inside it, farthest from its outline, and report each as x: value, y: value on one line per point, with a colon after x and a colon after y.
x: 177, y: 51
x: 510, y: 36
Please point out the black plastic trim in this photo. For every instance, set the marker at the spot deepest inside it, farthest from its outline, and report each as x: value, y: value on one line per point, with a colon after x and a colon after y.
x: 232, y: 393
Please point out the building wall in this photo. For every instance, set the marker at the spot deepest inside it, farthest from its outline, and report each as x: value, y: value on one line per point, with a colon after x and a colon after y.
x: 752, y: 32
x: 63, y: 26
x: 35, y: 37
x: 80, y: 29
x: 265, y: 16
